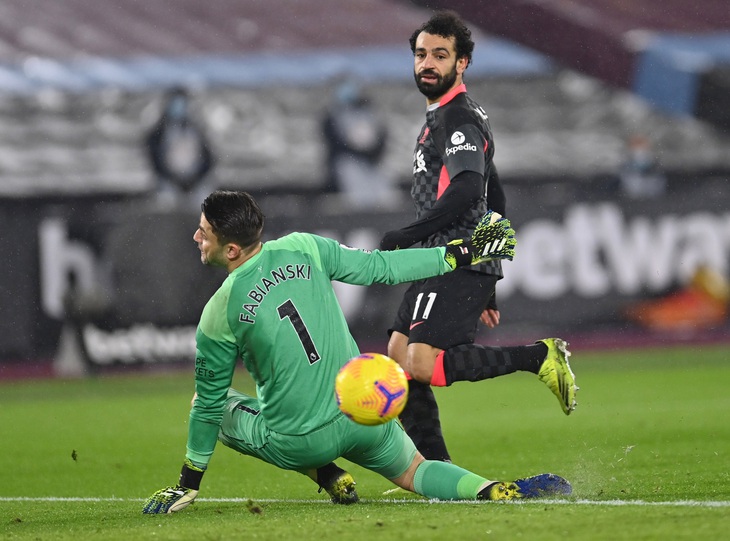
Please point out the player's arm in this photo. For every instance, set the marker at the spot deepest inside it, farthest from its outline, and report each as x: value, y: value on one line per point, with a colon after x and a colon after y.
x: 215, y: 362
x: 467, y: 185
x: 490, y: 315
x: 496, y: 198
x: 362, y: 267
x: 493, y: 238
x: 465, y: 190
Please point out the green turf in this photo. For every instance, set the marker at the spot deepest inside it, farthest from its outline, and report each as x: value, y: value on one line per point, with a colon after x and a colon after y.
x: 649, y: 437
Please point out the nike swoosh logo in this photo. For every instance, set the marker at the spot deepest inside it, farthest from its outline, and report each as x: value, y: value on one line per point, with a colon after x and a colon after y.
x: 414, y: 325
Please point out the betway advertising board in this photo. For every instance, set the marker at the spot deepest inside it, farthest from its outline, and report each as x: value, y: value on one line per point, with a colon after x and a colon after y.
x: 127, y: 279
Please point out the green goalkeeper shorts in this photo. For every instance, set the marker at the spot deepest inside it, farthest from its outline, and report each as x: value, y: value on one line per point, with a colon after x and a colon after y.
x: 384, y: 449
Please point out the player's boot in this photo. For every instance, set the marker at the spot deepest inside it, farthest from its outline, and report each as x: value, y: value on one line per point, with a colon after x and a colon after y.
x: 339, y: 484
x: 538, y: 486
x: 499, y: 491
x: 545, y: 484
x: 555, y: 372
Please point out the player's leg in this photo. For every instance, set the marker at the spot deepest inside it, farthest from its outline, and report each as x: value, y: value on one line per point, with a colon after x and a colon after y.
x: 444, y: 325
x: 387, y: 450
x: 548, y: 358
x: 420, y: 417
x: 445, y: 481
x: 418, y: 322
x: 245, y: 431
x: 338, y: 483
x: 396, y: 458
x: 442, y: 350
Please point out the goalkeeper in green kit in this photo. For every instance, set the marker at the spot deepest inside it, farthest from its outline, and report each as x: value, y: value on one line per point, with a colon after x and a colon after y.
x: 278, y: 312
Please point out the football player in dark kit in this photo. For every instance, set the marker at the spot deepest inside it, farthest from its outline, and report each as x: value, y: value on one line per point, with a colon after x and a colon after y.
x: 454, y: 184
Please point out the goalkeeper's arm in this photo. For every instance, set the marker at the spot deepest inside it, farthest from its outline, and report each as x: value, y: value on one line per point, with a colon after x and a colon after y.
x: 177, y: 497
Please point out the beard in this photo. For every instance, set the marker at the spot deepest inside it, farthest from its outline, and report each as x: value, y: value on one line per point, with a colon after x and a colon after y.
x: 441, y: 87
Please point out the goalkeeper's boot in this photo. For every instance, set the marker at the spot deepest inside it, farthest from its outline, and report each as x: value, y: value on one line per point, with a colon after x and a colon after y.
x: 499, y: 491
x: 338, y: 483
x: 545, y: 484
x: 538, y: 486
x: 555, y: 372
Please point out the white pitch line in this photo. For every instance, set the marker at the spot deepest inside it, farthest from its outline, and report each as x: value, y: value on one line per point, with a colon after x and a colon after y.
x: 609, y: 503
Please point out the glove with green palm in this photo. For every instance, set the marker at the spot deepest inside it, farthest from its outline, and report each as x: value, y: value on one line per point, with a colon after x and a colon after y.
x: 177, y: 497
x: 493, y: 238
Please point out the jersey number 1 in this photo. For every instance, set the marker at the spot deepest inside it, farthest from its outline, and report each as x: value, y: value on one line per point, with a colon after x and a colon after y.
x: 288, y: 309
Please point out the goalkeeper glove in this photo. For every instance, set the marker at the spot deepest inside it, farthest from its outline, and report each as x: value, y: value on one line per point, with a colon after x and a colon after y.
x: 169, y: 500
x: 178, y: 497
x: 493, y: 238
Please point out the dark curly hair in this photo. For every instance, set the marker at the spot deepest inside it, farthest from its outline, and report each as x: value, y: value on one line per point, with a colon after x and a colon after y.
x: 447, y: 24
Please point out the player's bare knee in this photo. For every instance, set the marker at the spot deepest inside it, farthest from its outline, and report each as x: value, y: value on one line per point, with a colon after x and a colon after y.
x: 420, y: 368
x: 422, y: 373
x: 406, y: 479
x: 421, y: 359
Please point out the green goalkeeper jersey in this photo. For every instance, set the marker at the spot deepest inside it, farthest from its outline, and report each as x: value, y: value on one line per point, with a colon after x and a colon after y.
x: 278, y: 312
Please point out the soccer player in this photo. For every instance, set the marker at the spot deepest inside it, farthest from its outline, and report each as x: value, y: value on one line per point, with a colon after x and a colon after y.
x: 277, y: 310
x: 454, y: 183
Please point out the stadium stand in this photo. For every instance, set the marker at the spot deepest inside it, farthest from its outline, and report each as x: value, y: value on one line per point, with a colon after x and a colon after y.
x: 75, y: 104
x: 81, y: 82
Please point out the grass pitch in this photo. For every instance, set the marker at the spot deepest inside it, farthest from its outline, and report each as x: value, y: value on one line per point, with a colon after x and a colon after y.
x: 647, y: 452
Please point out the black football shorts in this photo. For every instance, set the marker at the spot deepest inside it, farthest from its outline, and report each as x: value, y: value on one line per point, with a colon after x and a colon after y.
x: 444, y: 311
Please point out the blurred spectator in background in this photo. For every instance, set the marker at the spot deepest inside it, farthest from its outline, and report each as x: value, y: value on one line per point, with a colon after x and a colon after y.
x: 356, y: 137
x: 640, y: 176
x: 179, y: 152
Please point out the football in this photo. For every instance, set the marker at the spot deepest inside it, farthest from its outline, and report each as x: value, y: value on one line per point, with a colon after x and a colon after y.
x: 371, y: 389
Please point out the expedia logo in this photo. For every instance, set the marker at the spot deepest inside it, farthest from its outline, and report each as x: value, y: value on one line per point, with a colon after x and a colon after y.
x: 461, y: 145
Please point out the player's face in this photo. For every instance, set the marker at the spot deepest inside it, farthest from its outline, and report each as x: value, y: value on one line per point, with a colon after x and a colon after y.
x: 435, y: 66
x: 211, y: 251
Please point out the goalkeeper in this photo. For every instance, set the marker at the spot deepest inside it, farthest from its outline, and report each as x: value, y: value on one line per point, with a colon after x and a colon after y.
x: 277, y: 311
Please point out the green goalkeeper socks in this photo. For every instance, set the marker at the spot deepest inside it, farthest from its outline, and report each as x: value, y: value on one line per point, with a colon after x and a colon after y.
x: 446, y: 481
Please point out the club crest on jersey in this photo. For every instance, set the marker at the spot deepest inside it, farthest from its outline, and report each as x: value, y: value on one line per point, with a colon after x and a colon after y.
x: 419, y: 163
x: 458, y: 140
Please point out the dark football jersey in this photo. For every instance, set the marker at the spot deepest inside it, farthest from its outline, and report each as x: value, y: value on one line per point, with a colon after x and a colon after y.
x: 455, y: 138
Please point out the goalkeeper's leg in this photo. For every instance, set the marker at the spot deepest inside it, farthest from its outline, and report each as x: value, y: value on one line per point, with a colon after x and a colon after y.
x: 443, y: 481
x: 386, y: 449
x: 446, y: 481
x: 242, y: 425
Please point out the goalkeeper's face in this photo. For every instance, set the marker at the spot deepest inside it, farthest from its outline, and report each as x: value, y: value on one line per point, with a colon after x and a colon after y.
x: 211, y: 250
